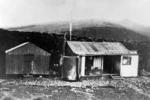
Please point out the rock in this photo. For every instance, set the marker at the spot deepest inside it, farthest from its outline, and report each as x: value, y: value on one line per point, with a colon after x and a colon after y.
x: 144, y: 73
x: 8, y: 98
x: 89, y: 90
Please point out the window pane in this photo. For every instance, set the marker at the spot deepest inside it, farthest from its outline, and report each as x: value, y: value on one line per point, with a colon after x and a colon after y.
x: 126, y: 60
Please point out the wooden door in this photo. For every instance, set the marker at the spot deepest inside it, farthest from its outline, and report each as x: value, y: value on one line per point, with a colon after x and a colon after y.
x: 28, y: 63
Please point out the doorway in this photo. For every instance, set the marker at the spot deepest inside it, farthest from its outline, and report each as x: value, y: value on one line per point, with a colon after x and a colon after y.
x: 28, y: 63
x: 93, y: 65
x: 112, y: 64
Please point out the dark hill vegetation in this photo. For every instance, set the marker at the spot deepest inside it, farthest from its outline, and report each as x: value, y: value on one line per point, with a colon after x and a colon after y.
x: 111, y: 33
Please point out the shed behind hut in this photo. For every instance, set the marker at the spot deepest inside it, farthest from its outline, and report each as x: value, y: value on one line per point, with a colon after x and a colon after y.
x: 27, y: 58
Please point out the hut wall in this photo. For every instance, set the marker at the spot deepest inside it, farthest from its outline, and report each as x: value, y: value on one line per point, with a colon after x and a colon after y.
x: 41, y: 65
x: 129, y: 65
x: 14, y: 64
x: 2, y: 66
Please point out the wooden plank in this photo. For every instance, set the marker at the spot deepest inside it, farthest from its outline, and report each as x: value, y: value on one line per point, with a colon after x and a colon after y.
x: 116, y: 77
x: 82, y: 65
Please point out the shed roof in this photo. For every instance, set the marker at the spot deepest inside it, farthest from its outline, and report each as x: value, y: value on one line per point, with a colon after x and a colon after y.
x: 26, y: 48
x: 97, y: 48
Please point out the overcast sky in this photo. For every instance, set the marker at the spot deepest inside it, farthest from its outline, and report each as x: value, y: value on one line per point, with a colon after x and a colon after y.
x: 27, y: 12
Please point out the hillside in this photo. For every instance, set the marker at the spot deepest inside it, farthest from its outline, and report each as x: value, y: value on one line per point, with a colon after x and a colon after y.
x: 59, y: 27
x: 145, y: 30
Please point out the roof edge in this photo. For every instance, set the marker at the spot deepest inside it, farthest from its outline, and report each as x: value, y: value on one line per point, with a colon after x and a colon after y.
x: 18, y: 46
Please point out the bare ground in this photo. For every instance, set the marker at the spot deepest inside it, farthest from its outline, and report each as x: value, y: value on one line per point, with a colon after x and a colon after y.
x: 102, y: 88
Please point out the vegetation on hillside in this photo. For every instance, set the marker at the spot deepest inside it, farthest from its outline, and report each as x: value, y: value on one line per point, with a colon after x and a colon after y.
x: 53, y: 43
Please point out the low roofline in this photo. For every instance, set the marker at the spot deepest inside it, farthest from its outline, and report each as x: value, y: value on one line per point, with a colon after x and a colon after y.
x: 18, y: 46
x: 97, y: 54
x: 103, y: 54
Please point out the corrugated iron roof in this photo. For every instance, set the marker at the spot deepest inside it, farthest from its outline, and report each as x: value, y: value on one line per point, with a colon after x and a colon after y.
x: 97, y: 48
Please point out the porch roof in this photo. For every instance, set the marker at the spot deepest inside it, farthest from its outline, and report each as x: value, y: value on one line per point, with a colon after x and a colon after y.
x: 97, y: 48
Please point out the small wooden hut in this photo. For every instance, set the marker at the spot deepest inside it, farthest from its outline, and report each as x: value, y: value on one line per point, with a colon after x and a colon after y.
x: 27, y: 58
x: 97, y: 58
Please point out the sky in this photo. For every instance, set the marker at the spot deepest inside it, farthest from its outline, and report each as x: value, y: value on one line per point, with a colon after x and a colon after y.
x: 27, y: 12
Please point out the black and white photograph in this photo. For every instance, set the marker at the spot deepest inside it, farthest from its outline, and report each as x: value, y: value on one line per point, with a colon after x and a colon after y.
x: 74, y: 49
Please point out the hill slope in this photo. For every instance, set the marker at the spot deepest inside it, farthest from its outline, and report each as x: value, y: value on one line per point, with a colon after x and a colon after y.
x: 59, y: 27
x: 94, y: 29
x: 111, y: 33
x: 145, y: 30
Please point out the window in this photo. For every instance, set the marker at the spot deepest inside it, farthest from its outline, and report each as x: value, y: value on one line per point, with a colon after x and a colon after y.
x: 126, y: 60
